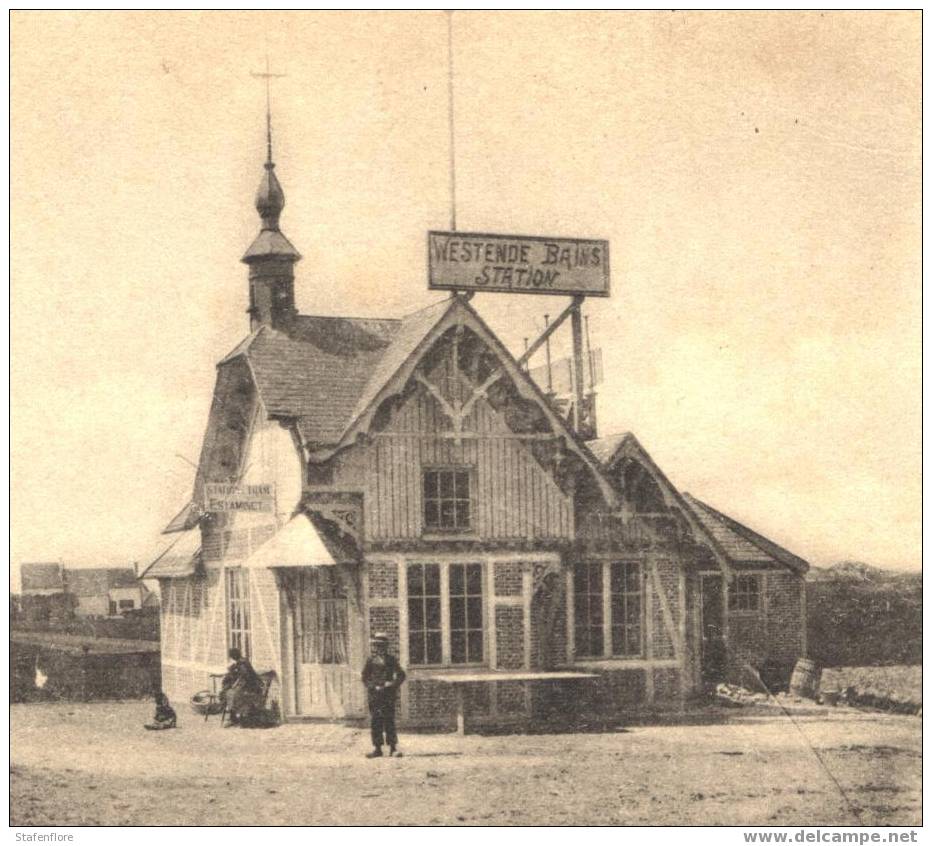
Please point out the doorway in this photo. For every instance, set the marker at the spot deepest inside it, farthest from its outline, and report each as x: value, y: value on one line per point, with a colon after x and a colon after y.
x: 325, y: 646
x: 713, y: 651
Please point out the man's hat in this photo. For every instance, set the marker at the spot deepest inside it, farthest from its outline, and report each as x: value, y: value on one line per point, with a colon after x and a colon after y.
x: 380, y: 637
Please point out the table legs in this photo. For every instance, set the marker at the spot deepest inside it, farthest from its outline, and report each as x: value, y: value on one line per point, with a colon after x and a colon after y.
x: 460, y: 709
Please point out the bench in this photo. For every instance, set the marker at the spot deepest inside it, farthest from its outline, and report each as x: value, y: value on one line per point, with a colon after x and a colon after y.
x: 220, y: 707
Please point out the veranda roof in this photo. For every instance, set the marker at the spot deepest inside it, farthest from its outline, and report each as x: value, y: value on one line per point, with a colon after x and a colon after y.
x: 299, y: 543
x: 178, y: 559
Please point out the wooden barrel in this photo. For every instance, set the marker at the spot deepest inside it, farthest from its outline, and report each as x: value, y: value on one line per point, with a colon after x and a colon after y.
x: 805, y: 679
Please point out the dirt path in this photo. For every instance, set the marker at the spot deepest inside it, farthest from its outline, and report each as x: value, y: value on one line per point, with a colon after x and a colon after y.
x: 93, y: 765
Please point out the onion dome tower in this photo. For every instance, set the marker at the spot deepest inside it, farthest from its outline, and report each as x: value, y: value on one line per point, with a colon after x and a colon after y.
x: 271, y: 256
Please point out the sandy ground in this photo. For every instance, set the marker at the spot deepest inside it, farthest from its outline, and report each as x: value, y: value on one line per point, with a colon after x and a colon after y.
x: 77, y: 764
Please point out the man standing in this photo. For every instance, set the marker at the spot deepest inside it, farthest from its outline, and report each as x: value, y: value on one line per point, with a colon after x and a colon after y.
x: 382, y: 677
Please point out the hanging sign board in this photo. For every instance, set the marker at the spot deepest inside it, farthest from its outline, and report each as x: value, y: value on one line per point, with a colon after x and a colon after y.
x: 517, y: 264
x: 225, y: 497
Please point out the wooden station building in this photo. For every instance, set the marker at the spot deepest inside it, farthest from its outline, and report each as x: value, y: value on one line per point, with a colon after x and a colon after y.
x: 407, y: 475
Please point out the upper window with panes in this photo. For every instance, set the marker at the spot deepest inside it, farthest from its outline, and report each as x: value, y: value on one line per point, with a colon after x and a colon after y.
x: 744, y: 594
x: 447, y: 500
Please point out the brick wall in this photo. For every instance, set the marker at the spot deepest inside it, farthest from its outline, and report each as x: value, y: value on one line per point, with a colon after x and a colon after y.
x: 771, y: 639
x: 386, y: 620
x: 666, y: 685
x: 548, y: 650
x: 430, y: 702
x: 383, y: 579
x: 510, y: 696
x: 785, y: 621
x: 509, y: 627
x: 614, y: 691
x: 508, y: 578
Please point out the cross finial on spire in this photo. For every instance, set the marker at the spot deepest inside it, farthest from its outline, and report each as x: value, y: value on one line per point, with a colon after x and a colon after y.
x: 268, y: 76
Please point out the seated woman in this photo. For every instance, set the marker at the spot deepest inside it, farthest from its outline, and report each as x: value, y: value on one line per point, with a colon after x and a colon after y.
x: 165, y: 717
x: 242, y: 691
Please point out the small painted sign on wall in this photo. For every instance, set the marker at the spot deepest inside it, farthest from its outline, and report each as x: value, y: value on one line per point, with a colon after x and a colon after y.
x: 518, y: 264
x: 224, y: 497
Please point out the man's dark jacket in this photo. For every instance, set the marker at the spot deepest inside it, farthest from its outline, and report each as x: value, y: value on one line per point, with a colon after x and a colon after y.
x: 382, y: 677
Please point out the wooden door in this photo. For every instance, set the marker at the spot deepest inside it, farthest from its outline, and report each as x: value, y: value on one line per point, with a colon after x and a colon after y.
x: 713, y: 629
x: 326, y: 642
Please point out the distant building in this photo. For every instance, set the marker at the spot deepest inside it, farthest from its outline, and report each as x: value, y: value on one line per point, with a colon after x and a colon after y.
x: 104, y: 591
x: 42, y: 578
x: 43, y: 597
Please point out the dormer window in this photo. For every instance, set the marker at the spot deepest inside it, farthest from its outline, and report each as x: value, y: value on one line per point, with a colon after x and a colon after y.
x: 447, y: 499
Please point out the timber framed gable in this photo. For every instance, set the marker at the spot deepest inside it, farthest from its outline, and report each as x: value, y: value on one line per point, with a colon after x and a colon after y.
x: 495, y: 377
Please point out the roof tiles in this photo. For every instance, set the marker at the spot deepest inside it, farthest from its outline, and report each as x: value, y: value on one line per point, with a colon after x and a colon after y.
x: 324, y: 370
x: 743, y: 545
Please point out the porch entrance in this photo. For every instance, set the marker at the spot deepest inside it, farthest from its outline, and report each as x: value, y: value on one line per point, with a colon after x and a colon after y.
x: 325, y: 645
x: 712, y: 618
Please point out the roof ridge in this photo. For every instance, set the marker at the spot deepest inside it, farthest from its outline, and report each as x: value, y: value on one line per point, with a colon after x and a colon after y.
x: 424, y: 308
x: 351, y: 317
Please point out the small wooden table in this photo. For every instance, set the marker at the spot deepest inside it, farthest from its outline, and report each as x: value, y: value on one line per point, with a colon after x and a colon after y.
x: 459, y: 680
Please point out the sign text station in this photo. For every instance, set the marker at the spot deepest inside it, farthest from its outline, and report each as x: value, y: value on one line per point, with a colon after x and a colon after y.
x: 518, y: 264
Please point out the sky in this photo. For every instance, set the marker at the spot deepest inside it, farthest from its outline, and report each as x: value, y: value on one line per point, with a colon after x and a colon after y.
x: 757, y: 176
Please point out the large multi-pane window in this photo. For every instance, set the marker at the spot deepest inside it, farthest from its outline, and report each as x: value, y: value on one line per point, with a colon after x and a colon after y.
x: 458, y: 587
x: 238, y: 604
x: 447, y: 504
x: 324, y: 618
x: 465, y: 613
x: 613, y: 628
x: 425, y: 634
x: 625, y: 582
x: 744, y: 593
x: 588, y: 606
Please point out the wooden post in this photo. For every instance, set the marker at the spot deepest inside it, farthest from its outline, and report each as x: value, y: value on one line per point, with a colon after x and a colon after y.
x: 460, y: 709
x: 576, y: 317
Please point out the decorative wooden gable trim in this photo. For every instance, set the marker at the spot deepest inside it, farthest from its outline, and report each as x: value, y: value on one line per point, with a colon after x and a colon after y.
x: 631, y: 448
x: 460, y: 315
x: 343, y: 509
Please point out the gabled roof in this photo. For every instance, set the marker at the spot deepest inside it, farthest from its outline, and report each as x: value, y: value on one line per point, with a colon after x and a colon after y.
x: 410, y: 332
x: 744, y: 545
x: 613, y: 447
x: 328, y: 374
x: 42, y: 575
x: 606, y: 448
x: 417, y: 334
x: 316, y: 371
x: 737, y: 542
x: 97, y: 581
